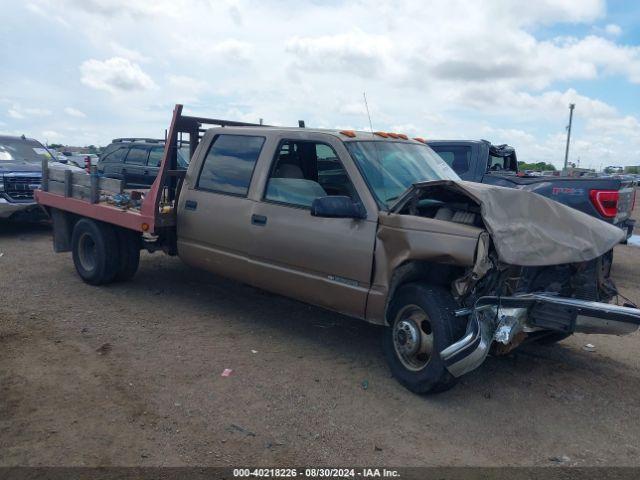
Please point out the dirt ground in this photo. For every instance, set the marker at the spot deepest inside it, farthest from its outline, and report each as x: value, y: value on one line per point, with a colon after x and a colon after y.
x: 130, y: 374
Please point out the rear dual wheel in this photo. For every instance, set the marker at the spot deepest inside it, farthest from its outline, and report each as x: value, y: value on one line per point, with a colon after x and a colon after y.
x: 103, y: 254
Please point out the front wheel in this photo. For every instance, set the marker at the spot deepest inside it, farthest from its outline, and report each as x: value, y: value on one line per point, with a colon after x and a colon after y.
x: 422, y: 323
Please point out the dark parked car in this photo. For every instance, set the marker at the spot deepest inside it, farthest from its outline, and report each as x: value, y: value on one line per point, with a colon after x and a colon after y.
x: 20, y: 174
x: 136, y: 160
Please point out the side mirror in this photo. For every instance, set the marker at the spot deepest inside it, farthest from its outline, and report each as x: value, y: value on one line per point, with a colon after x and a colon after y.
x: 337, y: 207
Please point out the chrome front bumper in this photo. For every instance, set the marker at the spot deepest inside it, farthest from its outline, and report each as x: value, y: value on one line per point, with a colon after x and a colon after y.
x: 501, y: 318
x: 7, y: 208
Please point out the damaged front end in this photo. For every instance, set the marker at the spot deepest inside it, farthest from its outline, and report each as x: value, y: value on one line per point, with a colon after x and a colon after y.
x: 540, y: 269
x: 504, y: 319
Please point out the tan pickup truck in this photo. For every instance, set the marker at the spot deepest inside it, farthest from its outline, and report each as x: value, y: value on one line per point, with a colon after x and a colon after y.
x: 372, y: 225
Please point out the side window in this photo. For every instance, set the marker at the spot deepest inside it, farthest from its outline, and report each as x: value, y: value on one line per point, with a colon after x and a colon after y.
x: 115, y: 156
x: 137, y: 156
x: 303, y: 171
x: 502, y: 163
x: 457, y: 157
x: 155, y: 157
x: 228, y: 167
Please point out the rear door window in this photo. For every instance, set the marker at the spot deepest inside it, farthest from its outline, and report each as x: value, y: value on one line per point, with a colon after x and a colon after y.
x: 137, y: 156
x: 228, y: 166
x: 155, y: 157
x: 457, y: 157
x: 115, y: 156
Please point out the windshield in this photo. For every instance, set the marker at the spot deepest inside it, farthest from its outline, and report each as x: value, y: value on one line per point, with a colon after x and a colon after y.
x: 22, y: 150
x: 391, y: 167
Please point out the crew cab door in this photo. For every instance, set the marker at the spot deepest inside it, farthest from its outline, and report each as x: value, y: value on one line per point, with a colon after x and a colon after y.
x: 323, y: 261
x: 214, y: 211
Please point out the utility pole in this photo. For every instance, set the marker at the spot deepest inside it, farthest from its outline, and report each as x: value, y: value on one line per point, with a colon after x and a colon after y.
x: 566, y: 152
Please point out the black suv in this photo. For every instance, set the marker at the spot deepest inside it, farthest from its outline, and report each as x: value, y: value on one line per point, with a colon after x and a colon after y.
x: 136, y: 160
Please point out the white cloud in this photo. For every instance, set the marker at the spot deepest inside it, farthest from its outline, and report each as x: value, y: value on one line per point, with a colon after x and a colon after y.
x: 231, y: 50
x: 115, y: 75
x: 74, y: 112
x: 549, y: 11
x: 128, y: 53
x: 613, y: 29
x: 51, y: 135
x: 17, y: 112
x: 355, y: 52
x: 457, y: 68
x: 14, y: 113
x: 187, y: 83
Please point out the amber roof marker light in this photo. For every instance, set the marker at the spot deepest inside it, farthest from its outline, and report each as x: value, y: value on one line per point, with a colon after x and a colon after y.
x: 420, y: 139
x: 348, y: 133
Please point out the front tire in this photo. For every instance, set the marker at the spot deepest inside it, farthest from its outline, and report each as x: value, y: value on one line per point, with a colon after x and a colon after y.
x: 95, y: 251
x: 422, y: 323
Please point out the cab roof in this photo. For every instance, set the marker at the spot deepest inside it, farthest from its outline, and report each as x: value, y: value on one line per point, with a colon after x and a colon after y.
x: 346, y: 135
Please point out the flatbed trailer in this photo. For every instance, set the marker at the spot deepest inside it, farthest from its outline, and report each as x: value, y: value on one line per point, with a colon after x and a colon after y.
x: 138, y: 219
x: 87, y: 195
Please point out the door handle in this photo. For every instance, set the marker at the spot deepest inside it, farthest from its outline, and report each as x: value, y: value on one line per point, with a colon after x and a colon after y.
x: 145, y: 172
x: 259, y: 220
x: 190, y: 205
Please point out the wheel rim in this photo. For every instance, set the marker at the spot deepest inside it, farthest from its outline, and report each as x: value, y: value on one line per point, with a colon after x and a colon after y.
x: 413, y: 338
x: 87, y: 252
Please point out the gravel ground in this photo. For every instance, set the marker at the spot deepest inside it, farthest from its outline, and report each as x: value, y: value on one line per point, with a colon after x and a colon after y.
x: 130, y: 374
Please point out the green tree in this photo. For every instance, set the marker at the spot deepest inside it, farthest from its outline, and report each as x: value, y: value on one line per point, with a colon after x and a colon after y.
x: 538, y: 167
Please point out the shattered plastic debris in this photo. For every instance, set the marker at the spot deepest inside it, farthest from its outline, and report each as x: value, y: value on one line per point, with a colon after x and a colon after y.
x: 365, y: 384
x: 560, y: 459
x: 226, y: 372
x: 589, y: 347
x: 254, y: 351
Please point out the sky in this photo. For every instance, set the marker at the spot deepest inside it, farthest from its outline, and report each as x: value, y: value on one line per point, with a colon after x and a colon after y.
x: 82, y: 72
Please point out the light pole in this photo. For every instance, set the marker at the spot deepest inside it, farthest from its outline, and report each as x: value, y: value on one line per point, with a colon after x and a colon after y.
x: 566, y: 152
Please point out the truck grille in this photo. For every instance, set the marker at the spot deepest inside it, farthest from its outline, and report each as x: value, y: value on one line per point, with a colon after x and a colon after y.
x: 20, y: 188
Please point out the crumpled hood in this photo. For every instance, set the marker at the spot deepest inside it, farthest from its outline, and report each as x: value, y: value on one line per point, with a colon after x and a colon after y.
x: 528, y: 229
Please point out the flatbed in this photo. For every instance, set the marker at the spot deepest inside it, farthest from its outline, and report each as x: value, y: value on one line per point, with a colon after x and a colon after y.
x: 156, y: 212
